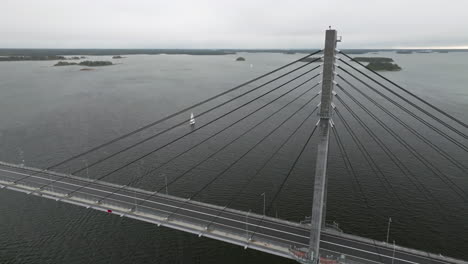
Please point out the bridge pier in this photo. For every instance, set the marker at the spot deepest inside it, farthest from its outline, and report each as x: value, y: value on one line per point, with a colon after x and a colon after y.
x: 326, y: 110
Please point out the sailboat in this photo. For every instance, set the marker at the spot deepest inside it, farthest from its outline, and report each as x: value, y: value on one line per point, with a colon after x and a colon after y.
x: 192, y: 119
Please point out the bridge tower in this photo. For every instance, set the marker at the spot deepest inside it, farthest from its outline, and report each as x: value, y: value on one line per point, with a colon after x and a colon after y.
x: 325, y: 122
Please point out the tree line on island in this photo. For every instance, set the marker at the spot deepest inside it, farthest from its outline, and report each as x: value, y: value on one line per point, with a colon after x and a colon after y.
x: 373, y: 63
x: 85, y: 63
x: 379, y: 63
x: 40, y: 58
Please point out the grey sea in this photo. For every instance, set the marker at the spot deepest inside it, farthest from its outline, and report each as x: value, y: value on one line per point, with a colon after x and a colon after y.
x: 50, y: 113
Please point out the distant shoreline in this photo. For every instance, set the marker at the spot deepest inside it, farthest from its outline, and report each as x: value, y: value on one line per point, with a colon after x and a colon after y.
x: 113, y: 52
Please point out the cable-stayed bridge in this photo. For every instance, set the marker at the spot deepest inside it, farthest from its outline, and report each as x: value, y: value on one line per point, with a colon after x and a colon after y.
x: 345, y: 84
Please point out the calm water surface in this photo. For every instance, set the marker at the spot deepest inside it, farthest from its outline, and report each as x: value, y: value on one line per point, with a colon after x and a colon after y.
x: 50, y: 113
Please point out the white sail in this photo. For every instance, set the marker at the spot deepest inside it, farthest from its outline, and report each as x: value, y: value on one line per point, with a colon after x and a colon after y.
x: 192, y: 119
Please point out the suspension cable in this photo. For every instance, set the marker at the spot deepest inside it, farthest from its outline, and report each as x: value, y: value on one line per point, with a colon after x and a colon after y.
x: 201, y: 114
x: 408, y: 92
x: 350, y: 170
x: 427, y: 164
x: 368, y: 157
x: 291, y: 168
x: 180, y: 137
x: 284, y: 181
x: 258, y: 171
x: 177, y: 209
x: 404, y: 124
x: 258, y: 143
x: 193, y: 196
x: 299, y: 96
x: 384, y: 147
x: 406, y: 100
x: 220, y: 131
x: 180, y: 111
x: 440, y: 132
x: 349, y: 165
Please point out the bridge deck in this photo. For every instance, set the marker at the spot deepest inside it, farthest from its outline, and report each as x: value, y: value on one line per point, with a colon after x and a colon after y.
x: 249, y: 230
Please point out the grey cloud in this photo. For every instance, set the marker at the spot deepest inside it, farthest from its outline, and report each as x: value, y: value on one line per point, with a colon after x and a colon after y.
x: 231, y: 24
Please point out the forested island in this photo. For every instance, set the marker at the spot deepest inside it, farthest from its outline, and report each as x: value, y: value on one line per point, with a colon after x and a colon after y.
x: 56, y: 54
x: 85, y: 63
x: 110, y: 52
x: 32, y: 58
x: 373, y: 59
x: 39, y: 58
x: 374, y: 63
x: 383, y: 66
x: 379, y: 63
x: 240, y: 59
x: 404, y: 51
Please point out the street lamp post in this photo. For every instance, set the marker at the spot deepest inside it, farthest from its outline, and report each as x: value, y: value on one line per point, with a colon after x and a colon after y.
x: 165, y: 177
x: 264, y: 199
x: 87, y: 170
x: 388, y: 228
x: 247, y: 223
x: 138, y: 176
x: 393, y: 257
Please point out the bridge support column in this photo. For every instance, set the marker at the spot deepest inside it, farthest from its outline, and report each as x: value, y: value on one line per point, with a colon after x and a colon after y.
x: 326, y: 110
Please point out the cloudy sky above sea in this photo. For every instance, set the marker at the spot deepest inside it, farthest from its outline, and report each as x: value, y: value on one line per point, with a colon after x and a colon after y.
x: 232, y: 23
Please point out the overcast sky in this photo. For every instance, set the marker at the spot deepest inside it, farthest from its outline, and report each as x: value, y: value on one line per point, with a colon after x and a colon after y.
x: 231, y: 23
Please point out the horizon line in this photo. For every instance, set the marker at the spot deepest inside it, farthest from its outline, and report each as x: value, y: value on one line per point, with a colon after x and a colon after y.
x: 292, y: 49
